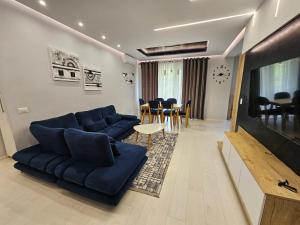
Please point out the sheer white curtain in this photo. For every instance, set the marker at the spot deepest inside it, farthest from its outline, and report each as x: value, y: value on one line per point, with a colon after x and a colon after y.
x: 279, y: 77
x: 170, y: 80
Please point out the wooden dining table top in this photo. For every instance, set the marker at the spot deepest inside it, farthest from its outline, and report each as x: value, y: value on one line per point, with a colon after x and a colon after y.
x: 284, y: 101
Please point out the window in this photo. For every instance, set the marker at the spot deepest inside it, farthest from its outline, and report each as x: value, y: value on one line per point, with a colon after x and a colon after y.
x: 170, y: 80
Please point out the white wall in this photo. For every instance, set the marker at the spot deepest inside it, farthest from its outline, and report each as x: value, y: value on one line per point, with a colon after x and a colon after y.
x: 217, y: 95
x: 25, y: 76
x: 264, y: 22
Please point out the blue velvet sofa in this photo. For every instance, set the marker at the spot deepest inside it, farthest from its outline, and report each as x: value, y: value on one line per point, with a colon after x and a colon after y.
x: 53, y: 158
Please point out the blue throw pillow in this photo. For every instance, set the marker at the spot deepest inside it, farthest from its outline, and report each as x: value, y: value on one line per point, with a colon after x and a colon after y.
x: 113, y: 119
x: 97, y: 126
x: 89, y: 147
x: 51, y: 139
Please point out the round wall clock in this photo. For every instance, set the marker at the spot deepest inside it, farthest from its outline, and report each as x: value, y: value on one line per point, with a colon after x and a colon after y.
x: 221, y: 74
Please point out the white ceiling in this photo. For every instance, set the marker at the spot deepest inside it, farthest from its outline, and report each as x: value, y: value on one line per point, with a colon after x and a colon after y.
x: 131, y: 22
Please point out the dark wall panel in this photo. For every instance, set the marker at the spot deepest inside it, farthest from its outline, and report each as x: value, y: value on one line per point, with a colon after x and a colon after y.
x: 283, y: 44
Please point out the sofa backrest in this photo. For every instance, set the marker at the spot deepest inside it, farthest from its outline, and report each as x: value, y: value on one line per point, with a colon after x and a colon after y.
x: 89, y: 117
x: 108, y: 111
x: 65, y: 121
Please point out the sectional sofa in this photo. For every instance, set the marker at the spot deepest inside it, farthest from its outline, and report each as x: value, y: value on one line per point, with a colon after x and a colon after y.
x: 83, y: 153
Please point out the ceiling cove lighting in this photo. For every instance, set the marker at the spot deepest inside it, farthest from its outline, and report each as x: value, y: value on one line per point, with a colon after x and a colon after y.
x: 47, y: 19
x: 204, y: 21
x: 237, y: 40
x: 42, y: 2
x: 80, y: 24
x: 277, y: 8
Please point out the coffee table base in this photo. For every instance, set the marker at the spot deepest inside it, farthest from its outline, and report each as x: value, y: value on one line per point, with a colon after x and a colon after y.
x: 149, y: 138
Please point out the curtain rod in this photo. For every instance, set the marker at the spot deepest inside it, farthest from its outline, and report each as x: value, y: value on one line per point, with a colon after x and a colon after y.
x: 178, y: 59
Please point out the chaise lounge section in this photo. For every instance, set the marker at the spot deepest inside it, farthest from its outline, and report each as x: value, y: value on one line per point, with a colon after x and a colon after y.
x: 73, y: 157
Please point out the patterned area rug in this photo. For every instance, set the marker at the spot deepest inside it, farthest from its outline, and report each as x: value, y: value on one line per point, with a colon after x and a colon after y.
x: 151, y: 177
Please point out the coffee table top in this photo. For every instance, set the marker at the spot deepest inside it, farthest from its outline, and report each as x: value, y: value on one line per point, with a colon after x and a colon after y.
x: 149, y: 128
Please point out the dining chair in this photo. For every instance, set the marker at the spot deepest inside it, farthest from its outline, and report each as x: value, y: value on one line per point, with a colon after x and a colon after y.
x: 186, y: 113
x: 265, y: 107
x: 282, y: 95
x: 159, y: 99
x: 154, y: 110
x: 143, y: 111
x: 172, y: 100
x: 168, y: 111
x: 295, y: 111
x: 297, y: 93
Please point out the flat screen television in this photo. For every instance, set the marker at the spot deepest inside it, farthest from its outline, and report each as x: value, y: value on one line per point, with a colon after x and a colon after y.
x: 274, y: 98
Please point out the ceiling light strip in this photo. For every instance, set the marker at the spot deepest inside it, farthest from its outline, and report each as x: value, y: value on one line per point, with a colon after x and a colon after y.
x: 234, y: 43
x: 204, y: 21
x: 61, y: 25
x: 277, y: 8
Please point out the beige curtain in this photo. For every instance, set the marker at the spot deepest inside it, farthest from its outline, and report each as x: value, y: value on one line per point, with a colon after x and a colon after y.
x: 194, y: 85
x: 149, y: 80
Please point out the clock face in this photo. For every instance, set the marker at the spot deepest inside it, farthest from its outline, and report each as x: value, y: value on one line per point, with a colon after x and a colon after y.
x: 221, y: 74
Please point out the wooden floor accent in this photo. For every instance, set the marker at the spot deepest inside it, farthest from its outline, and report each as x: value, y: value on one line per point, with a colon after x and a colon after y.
x: 236, y: 98
x: 197, y: 191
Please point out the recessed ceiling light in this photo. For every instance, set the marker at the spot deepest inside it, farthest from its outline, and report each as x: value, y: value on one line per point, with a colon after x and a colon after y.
x: 80, y: 24
x: 42, y: 2
x: 204, y: 21
x: 119, y: 46
x: 103, y: 37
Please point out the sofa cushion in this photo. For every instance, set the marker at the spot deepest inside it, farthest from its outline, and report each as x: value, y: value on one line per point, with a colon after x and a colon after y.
x: 41, y: 161
x: 109, y: 180
x: 113, y: 132
x: 108, y: 111
x: 113, y: 119
x: 66, y: 121
x: 97, y: 126
x: 126, y: 124
x: 61, y: 168
x: 89, y: 147
x: 77, y: 172
x: 52, y: 139
x: 26, y: 155
x: 89, y: 117
x: 50, y: 169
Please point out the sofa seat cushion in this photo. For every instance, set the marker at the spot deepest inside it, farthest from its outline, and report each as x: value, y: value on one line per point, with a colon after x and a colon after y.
x: 66, y: 121
x: 26, y: 155
x: 41, y: 161
x: 52, y: 139
x: 126, y: 124
x: 110, y: 180
x: 78, y: 172
x: 89, y: 147
x: 113, y: 119
x: 96, y: 126
x: 61, y: 168
x: 50, y: 169
x: 113, y: 132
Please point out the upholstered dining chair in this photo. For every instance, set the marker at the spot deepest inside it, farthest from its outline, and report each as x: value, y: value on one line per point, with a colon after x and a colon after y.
x: 264, y: 107
x: 143, y: 111
x: 282, y: 95
x: 159, y: 99
x: 154, y: 110
x: 172, y: 100
x: 167, y: 111
x: 186, y: 113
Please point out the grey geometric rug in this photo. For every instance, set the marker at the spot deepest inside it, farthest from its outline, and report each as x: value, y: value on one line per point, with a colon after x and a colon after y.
x: 151, y: 177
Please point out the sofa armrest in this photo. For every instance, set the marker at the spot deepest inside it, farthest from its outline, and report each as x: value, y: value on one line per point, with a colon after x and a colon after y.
x: 128, y: 117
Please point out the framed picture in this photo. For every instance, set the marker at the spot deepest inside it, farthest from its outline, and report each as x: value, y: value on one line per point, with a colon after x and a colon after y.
x: 92, y: 79
x: 65, y: 66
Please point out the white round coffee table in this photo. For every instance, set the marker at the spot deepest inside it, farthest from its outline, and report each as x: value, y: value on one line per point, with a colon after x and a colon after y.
x: 149, y: 129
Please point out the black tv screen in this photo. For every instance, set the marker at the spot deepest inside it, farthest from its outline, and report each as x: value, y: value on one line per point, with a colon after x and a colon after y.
x: 274, y: 98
